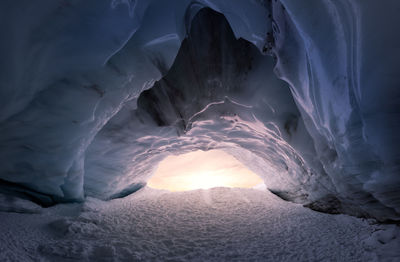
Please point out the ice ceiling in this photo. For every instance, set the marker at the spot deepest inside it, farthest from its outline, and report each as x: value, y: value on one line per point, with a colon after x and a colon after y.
x: 94, y: 94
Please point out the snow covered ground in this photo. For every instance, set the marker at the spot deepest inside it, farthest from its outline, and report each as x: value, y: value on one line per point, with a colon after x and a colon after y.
x: 220, y: 224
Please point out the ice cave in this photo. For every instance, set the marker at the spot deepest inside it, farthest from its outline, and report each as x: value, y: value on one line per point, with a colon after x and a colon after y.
x: 199, y: 130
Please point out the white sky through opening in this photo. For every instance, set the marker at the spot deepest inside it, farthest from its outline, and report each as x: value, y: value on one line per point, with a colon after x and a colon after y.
x: 202, y: 170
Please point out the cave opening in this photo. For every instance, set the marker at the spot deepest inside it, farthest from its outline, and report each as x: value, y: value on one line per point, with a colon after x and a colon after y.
x: 202, y: 170
x: 183, y: 96
x: 217, y: 93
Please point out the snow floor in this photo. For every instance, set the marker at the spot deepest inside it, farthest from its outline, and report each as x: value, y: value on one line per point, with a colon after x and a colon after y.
x: 220, y: 224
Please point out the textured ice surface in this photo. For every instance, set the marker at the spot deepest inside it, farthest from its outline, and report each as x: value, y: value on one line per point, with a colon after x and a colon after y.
x: 220, y: 224
x: 74, y: 119
x: 339, y: 60
x: 230, y: 100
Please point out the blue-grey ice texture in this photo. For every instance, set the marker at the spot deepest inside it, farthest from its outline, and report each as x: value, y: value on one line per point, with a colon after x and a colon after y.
x: 93, y: 94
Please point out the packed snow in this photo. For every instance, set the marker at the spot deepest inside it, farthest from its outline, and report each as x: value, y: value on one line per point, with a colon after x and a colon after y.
x: 219, y: 224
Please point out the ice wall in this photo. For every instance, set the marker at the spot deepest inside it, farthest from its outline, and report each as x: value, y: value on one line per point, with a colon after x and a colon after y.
x: 75, y: 118
x: 219, y: 93
x: 70, y: 67
x: 60, y: 86
x: 340, y: 59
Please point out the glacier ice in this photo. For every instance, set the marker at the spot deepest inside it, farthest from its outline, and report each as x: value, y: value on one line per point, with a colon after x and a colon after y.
x: 350, y: 106
x: 93, y: 94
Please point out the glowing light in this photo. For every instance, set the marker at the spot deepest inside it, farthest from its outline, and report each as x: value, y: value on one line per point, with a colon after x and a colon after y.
x: 202, y: 170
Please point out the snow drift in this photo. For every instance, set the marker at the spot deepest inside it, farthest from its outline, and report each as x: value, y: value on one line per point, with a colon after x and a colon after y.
x: 95, y: 93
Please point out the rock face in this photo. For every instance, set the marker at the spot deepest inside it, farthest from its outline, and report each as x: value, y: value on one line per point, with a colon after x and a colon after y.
x: 94, y: 94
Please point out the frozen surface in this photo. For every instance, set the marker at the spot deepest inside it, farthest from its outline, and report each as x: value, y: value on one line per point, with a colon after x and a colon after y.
x: 220, y: 224
x: 15, y: 204
x: 93, y: 94
x: 340, y: 61
x: 230, y: 101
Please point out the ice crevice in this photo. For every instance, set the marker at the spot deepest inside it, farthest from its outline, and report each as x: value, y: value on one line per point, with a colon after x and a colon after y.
x: 305, y: 96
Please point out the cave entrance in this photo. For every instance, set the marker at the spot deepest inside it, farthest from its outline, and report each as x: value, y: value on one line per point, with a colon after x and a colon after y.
x: 202, y: 170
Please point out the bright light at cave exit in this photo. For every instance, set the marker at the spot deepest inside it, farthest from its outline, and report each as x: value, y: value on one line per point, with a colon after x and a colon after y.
x: 202, y: 170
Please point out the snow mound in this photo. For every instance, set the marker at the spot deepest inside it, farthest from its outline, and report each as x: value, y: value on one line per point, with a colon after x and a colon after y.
x: 18, y: 205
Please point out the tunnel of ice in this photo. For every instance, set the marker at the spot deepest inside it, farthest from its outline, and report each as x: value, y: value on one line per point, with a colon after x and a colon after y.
x: 95, y: 93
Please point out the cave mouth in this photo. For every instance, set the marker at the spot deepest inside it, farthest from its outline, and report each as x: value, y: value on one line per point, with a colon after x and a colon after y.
x: 202, y: 170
